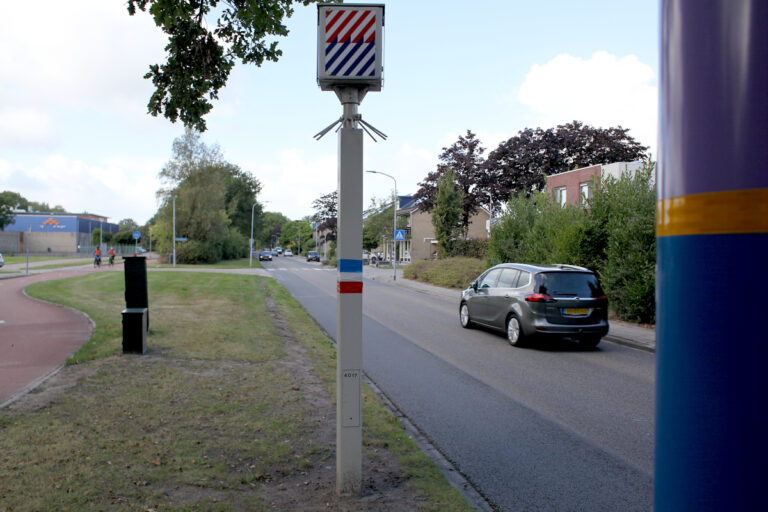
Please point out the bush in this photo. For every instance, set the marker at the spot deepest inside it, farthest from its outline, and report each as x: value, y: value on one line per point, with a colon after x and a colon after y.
x: 615, y: 237
x: 471, y: 248
x: 194, y: 251
x: 448, y: 272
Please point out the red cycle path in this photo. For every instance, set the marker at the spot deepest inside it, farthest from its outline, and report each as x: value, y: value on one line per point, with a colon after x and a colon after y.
x: 36, y: 338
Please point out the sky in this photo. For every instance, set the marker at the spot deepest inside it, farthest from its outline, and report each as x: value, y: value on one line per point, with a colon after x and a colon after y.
x: 74, y: 128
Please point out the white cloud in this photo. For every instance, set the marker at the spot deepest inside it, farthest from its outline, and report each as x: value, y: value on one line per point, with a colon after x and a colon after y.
x: 602, y: 91
x: 25, y: 126
x: 94, y: 52
x: 117, y: 187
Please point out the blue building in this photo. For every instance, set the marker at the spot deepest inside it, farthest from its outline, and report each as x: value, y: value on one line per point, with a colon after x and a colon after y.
x: 56, y: 233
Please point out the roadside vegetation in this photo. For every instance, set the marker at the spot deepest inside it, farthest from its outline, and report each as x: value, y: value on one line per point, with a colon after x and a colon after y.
x: 615, y: 236
x: 232, y: 409
x: 455, y: 272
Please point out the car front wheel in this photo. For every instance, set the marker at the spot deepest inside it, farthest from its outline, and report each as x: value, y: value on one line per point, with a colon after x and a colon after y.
x: 464, y: 316
x: 514, y: 332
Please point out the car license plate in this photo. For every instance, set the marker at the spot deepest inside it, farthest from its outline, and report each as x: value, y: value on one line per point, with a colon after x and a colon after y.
x: 576, y: 311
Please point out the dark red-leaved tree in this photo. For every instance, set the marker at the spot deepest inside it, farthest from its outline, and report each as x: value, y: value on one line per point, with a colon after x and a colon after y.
x: 465, y: 158
x: 520, y: 165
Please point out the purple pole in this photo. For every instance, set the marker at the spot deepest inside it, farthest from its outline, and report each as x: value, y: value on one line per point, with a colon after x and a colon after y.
x: 712, y: 282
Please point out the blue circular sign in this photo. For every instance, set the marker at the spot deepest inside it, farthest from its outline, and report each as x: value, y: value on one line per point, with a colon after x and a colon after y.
x: 136, y: 235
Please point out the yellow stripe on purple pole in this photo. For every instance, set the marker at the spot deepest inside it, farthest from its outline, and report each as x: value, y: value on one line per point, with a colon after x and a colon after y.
x: 712, y: 226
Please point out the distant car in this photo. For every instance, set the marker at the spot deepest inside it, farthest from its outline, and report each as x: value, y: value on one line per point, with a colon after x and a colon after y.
x: 366, y: 257
x: 288, y: 252
x: 2, y: 261
x: 313, y: 256
x: 265, y: 255
x: 277, y: 250
x: 543, y: 300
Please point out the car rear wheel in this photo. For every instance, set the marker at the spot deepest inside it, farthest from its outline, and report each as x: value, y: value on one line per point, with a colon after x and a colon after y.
x: 464, y: 316
x: 515, y: 334
x: 589, y: 341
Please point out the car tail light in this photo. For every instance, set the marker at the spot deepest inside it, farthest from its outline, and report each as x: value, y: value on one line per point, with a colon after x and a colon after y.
x: 539, y: 297
x: 602, y: 297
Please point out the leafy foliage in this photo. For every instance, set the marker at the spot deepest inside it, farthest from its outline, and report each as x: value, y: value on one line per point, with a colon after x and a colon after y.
x: 327, y: 212
x: 520, y: 165
x: 615, y: 237
x: 465, y: 158
x: 449, y: 272
x: 446, y: 215
x: 200, y: 59
x: 6, y: 214
x: 213, y: 200
x: 295, y: 232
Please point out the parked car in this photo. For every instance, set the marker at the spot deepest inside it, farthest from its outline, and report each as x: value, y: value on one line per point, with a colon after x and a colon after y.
x: 525, y: 301
x: 313, y: 256
x: 277, y: 251
x: 2, y: 261
x: 265, y: 255
x: 288, y: 252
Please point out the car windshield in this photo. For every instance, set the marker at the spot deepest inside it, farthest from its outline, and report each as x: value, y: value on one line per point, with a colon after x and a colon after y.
x: 568, y: 284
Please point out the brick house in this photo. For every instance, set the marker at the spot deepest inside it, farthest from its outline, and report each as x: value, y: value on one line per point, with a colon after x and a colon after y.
x: 420, y: 243
x: 575, y: 187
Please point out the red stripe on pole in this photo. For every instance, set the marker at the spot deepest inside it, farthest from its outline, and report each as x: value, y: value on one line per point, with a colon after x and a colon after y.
x: 344, y: 23
x: 350, y: 287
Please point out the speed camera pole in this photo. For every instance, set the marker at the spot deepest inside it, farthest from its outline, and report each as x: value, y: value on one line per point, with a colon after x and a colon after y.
x: 350, y: 64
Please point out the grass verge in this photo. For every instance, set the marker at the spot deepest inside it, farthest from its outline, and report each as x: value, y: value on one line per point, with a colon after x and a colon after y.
x: 450, y: 272
x: 225, y: 264
x: 231, y: 410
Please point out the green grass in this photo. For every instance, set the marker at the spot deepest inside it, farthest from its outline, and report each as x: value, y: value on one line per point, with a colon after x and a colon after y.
x: 450, y: 272
x: 11, y: 260
x: 222, y: 405
x: 225, y: 264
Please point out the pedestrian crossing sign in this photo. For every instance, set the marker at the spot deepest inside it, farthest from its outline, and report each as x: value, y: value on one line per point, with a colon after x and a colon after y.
x: 399, y: 235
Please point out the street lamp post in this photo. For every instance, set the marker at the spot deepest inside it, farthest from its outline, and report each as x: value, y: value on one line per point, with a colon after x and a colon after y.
x: 250, y: 250
x: 394, y: 223
x: 174, y: 231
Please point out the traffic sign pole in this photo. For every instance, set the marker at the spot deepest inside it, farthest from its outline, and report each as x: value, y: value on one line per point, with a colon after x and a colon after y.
x: 350, y: 301
x: 350, y: 63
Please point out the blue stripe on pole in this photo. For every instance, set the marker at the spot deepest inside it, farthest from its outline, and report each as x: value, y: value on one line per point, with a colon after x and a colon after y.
x: 351, y: 266
x: 712, y: 356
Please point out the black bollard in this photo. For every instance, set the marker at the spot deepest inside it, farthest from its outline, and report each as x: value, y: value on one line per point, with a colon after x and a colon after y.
x: 136, y: 294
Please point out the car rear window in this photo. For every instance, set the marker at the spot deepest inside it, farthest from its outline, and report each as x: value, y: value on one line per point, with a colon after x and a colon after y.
x: 573, y: 284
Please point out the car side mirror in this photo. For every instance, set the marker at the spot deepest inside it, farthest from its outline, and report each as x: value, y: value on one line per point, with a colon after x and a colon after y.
x: 474, y: 285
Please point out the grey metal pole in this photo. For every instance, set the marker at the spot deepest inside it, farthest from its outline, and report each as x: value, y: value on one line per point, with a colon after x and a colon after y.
x: 174, y: 231
x: 30, y: 238
x: 250, y: 243
x: 349, y: 432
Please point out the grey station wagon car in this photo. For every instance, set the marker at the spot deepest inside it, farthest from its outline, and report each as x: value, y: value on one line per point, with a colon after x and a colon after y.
x: 543, y: 300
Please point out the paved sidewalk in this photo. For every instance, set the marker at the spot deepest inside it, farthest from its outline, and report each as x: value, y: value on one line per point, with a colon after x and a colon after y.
x: 624, y: 333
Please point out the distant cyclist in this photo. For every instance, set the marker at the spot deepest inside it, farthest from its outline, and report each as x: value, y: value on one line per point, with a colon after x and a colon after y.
x: 97, y: 257
x: 111, y: 254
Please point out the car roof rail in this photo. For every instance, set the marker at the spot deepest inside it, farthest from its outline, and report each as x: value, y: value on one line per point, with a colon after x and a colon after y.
x: 563, y: 266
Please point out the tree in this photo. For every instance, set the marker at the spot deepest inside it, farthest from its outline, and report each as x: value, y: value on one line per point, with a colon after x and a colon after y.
x: 297, y: 231
x: 200, y: 59
x: 447, y: 213
x: 326, y: 213
x: 271, y: 228
x: 14, y: 200
x: 6, y: 214
x: 465, y: 159
x: 377, y: 223
x: 213, y: 202
x: 520, y: 164
x: 127, y: 225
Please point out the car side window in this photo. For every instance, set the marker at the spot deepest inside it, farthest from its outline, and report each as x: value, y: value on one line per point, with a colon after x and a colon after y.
x: 524, y: 279
x: 489, y: 281
x: 508, y: 278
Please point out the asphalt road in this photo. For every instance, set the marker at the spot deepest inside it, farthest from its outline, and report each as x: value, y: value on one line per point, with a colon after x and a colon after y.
x: 552, y: 427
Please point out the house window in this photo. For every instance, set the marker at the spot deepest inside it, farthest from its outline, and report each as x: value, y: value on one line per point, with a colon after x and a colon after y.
x: 560, y: 196
x: 584, y: 193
